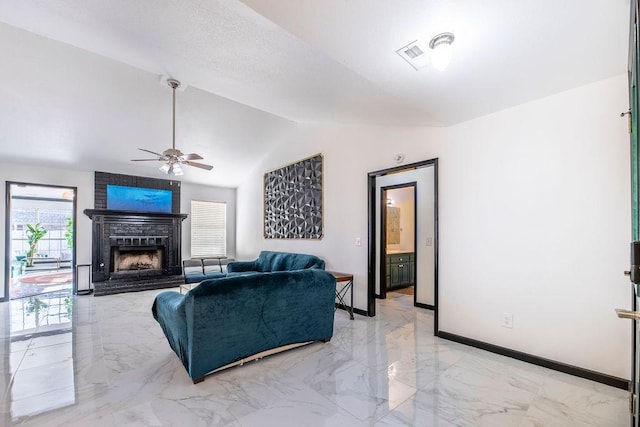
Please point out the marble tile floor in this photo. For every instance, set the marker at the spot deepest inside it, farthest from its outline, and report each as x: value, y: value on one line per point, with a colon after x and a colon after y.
x: 104, y: 361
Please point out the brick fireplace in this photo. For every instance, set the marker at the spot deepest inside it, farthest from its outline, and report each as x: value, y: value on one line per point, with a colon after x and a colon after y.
x: 135, y: 249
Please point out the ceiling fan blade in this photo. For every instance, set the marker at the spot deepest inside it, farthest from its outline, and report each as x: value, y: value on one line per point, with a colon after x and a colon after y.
x: 199, y: 165
x: 192, y: 156
x: 152, y: 152
x: 146, y: 160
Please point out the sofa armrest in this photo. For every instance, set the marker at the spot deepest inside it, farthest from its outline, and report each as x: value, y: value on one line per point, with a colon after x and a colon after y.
x: 169, y: 310
x: 238, y: 266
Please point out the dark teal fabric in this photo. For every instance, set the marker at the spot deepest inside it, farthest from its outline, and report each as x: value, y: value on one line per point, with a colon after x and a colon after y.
x: 276, y: 261
x: 228, y: 319
x: 168, y: 310
x: 194, y: 277
x: 214, y: 275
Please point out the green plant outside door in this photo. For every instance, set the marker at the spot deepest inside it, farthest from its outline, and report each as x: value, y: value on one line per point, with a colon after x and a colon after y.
x: 35, y: 232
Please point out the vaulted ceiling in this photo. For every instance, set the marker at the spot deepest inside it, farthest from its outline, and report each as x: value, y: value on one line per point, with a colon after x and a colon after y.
x: 81, y: 77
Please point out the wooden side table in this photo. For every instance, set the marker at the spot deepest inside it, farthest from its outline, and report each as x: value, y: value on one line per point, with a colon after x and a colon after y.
x: 346, y: 280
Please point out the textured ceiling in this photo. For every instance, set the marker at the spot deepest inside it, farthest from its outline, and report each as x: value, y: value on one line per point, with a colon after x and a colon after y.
x: 277, y: 62
x: 505, y: 52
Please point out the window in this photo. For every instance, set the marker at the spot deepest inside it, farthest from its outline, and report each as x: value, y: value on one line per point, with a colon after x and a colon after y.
x: 52, y: 219
x: 208, y: 229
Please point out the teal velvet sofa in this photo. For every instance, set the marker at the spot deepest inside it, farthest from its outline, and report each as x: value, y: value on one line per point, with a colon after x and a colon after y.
x: 269, y: 261
x: 227, y: 321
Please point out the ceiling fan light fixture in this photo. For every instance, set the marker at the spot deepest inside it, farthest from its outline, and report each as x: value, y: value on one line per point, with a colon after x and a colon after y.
x: 173, y: 157
x: 442, y: 50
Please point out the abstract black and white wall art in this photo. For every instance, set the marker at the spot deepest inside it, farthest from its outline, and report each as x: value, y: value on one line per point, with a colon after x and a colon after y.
x: 293, y: 200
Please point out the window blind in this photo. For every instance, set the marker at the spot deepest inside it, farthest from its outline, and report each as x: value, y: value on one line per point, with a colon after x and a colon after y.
x: 208, y: 229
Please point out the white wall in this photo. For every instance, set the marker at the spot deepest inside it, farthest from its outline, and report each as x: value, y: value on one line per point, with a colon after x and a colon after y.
x: 37, y: 174
x: 534, y: 219
x: 350, y: 152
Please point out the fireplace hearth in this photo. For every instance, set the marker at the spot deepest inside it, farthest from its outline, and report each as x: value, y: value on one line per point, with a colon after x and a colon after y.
x: 135, y: 251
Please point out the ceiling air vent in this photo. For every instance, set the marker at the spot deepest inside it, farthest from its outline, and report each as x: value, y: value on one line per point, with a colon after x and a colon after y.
x: 414, y: 54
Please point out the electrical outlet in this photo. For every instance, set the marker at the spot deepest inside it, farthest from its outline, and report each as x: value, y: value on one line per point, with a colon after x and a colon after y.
x: 507, y: 320
x: 358, y: 241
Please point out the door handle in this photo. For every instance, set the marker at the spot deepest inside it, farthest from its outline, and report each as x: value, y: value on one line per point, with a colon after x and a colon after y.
x: 628, y: 314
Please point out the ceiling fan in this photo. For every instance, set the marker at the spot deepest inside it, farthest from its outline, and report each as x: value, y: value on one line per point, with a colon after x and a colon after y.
x: 173, y: 157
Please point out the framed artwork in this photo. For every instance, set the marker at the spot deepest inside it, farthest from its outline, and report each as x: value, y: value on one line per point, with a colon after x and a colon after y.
x: 293, y: 200
x: 393, y: 225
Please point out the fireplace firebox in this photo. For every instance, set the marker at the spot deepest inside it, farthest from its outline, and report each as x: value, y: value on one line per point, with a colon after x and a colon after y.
x: 137, y: 253
x: 136, y: 260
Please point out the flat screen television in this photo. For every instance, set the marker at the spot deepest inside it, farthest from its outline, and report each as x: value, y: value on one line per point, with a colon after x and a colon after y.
x: 121, y: 198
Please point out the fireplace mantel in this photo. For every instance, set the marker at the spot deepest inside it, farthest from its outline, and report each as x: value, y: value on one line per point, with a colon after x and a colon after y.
x: 110, y: 212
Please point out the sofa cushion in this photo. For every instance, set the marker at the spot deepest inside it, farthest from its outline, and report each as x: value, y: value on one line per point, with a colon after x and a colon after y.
x: 269, y: 261
x: 283, y: 261
x: 214, y: 275
x: 194, y: 277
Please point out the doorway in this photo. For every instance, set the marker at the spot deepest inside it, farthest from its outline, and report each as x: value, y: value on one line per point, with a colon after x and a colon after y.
x: 398, y: 239
x: 40, y: 240
x: 425, y: 177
